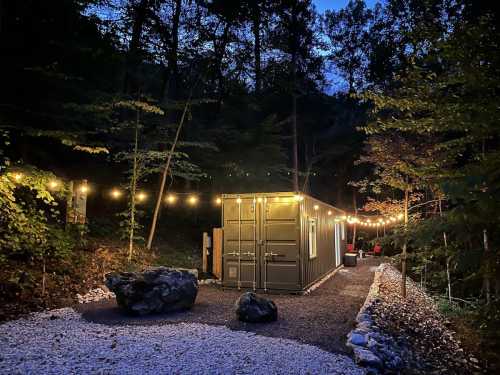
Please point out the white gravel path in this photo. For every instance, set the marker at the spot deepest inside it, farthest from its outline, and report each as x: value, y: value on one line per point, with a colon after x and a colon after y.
x: 60, y: 342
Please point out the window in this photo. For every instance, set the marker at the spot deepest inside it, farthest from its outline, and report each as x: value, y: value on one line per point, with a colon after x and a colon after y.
x: 342, y: 230
x: 312, y: 239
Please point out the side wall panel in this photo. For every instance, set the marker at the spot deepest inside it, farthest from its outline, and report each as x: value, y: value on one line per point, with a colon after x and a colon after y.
x: 315, y: 268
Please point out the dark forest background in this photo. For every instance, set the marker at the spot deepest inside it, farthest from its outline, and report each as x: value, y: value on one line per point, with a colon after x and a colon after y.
x: 378, y: 110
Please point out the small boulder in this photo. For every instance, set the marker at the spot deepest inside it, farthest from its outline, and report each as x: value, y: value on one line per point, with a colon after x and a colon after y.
x: 254, y: 309
x: 366, y: 358
x: 156, y: 290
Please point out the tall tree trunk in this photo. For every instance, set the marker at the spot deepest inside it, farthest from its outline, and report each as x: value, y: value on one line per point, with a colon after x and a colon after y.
x: 294, y: 102
x: 256, y: 20
x: 133, y: 188
x: 131, y: 83
x: 171, y: 90
x: 403, y: 253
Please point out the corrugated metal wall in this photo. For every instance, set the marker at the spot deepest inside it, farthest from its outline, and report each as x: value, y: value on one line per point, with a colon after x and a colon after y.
x: 314, y: 269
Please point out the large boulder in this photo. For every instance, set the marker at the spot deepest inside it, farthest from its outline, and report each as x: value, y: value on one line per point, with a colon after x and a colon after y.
x: 254, y: 309
x: 156, y: 290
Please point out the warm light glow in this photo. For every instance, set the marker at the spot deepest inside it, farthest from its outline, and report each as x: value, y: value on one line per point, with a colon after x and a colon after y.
x: 141, y: 196
x: 316, y: 207
x: 193, y: 200
x: 298, y: 197
x: 329, y: 213
x: 400, y: 216
x: 53, y: 184
x: 259, y: 199
x: 368, y: 220
x: 84, y: 189
x: 171, y: 199
x: 218, y: 201
x: 276, y: 199
x: 393, y: 218
x: 18, y: 176
x: 115, y: 193
x: 238, y: 200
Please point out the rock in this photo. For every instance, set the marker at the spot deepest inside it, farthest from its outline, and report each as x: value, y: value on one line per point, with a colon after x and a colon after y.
x: 254, y: 309
x: 366, y: 358
x: 358, y: 339
x: 157, y: 290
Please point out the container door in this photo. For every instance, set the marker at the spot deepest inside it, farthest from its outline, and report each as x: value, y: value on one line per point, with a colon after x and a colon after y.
x: 279, y: 243
x: 337, y: 245
x: 241, y: 268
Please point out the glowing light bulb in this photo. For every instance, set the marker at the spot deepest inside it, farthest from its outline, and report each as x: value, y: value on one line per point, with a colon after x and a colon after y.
x: 53, y: 184
x: 259, y: 199
x: 238, y: 200
x: 329, y: 213
x: 218, y: 201
x: 115, y: 193
x: 316, y: 207
x: 193, y: 200
x: 84, y: 189
x: 171, y: 199
x: 141, y: 196
x: 400, y: 216
x: 298, y: 197
x: 18, y: 177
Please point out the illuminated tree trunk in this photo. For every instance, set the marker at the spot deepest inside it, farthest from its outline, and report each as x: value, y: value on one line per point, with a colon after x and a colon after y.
x: 403, y: 253
x: 164, y: 177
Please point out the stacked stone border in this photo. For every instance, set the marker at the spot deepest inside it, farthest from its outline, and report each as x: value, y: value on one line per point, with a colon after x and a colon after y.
x: 373, y: 349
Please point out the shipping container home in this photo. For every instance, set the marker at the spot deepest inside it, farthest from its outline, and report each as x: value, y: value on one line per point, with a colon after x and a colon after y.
x: 279, y: 241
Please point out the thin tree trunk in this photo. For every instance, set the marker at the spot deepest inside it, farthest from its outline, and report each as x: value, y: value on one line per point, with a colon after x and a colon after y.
x: 164, y: 176
x: 403, y: 254
x: 44, y: 275
x: 445, y: 240
x: 355, y: 204
x: 256, y: 35
x: 486, y: 275
x: 133, y: 188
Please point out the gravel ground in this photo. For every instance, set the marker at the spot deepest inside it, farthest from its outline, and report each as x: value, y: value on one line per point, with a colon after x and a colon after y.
x: 61, y: 342
x: 322, y: 318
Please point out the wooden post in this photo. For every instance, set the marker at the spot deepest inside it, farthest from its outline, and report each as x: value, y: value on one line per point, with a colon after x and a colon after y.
x: 217, y: 253
x: 206, y: 246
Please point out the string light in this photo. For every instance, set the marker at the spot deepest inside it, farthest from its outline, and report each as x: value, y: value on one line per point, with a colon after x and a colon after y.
x: 316, y: 207
x: 329, y: 213
x: 84, y: 189
x: 115, y: 193
x: 141, y: 196
x: 298, y: 197
x: 53, y: 184
x: 259, y: 199
x: 218, y: 201
x: 193, y: 200
x: 171, y: 199
x: 18, y: 177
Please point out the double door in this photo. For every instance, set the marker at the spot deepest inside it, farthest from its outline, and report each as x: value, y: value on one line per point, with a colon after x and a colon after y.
x: 261, y: 247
